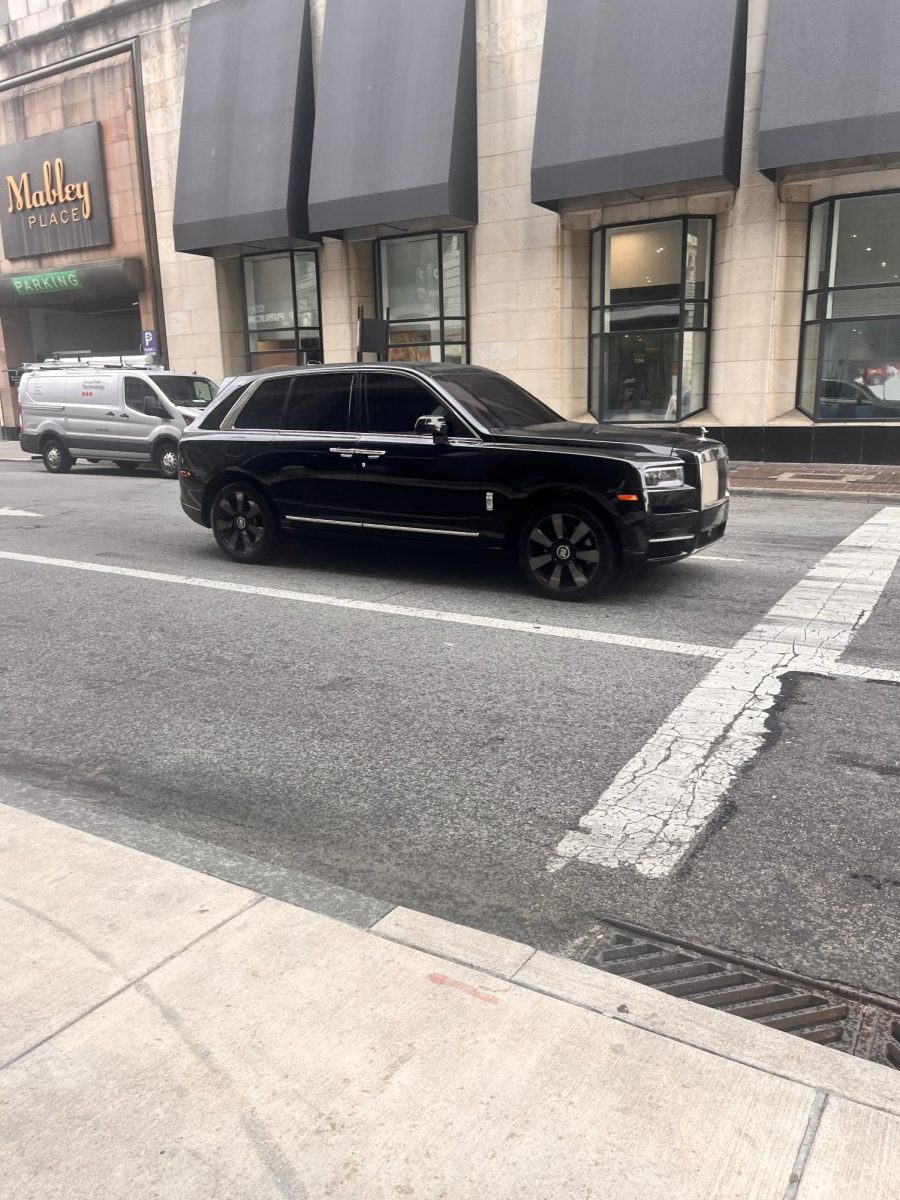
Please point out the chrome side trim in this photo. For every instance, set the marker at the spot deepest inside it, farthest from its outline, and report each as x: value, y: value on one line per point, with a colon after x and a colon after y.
x: 420, y: 529
x: 391, y: 528
x: 325, y: 521
x: 681, y: 537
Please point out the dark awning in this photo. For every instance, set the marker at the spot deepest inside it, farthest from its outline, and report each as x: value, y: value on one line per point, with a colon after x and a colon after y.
x: 246, y: 126
x: 79, y: 285
x: 831, y: 88
x: 395, y: 137
x: 636, y: 95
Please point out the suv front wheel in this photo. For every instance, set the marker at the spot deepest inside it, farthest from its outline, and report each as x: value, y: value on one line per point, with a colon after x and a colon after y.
x: 565, y: 552
x: 243, y: 523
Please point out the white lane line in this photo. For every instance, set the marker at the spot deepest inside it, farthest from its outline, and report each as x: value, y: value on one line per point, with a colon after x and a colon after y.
x: 17, y: 512
x: 394, y: 610
x: 657, y: 804
x: 713, y: 558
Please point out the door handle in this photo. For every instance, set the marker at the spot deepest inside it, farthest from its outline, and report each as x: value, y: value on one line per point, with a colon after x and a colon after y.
x: 372, y: 453
x: 112, y: 414
x: 342, y: 451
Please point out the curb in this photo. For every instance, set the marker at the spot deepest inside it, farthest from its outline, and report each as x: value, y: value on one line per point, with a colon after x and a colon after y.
x: 792, y: 494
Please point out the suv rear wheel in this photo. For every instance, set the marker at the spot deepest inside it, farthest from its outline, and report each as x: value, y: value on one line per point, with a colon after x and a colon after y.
x: 56, y: 457
x: 565, y: 552
x: 243, y: 523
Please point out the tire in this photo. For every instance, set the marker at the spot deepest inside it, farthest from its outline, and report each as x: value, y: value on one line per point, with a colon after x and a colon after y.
x: 166, y: 460
x: 128, y: 468
x: 565, y: 552
x: 56, y: 457
x: 243, y: 523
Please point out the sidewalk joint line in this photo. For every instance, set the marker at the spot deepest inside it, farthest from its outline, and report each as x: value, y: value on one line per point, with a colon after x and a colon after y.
x: 816, y: 1112
x: 257, y: 899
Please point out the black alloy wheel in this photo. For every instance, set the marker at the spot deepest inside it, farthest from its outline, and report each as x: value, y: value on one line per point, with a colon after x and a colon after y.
x: 128, y: 467
x: 56, y: 457
x: 565, y: 552
x: 166, y: 460
x: 243, y: 523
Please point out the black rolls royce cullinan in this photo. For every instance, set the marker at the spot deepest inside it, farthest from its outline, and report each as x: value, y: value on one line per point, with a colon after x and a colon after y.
x: 449, y: 453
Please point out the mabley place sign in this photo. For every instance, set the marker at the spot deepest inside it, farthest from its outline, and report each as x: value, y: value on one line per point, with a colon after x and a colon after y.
x: 54, y: 193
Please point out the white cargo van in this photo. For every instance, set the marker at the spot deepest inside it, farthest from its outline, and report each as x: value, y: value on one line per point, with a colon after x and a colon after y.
x: 117, y: 409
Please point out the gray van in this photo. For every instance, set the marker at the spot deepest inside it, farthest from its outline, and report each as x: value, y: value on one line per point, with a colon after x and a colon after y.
x: 89, y: 410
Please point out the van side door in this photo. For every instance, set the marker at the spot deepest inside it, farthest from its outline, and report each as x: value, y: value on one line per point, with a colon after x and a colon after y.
x: 141, y: 417
x: 93, y: 415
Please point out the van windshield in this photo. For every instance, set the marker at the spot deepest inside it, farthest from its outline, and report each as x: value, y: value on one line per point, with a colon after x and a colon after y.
x: 188, y: 391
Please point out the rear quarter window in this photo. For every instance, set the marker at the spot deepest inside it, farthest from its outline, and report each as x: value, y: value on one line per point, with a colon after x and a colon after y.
x: 222, y: 405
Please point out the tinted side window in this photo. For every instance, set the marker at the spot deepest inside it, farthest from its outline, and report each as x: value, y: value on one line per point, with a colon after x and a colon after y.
x: 265, y: 407
x: 394, y: 403
x: 319, y: 402
x: 222, y: 406
x: 135, y: 392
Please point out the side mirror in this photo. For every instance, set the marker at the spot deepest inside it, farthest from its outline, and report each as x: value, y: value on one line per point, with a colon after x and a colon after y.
x: 436, y: 426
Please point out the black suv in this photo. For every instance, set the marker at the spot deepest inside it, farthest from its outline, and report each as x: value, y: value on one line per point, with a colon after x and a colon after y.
x: 451, y: 453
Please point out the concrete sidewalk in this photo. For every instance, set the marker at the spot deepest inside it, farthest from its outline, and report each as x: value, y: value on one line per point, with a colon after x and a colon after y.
x: 12, y: 452
x: 167, y: 1034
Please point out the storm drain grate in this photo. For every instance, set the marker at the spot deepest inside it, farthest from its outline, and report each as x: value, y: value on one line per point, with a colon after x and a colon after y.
x: 864, y: 1026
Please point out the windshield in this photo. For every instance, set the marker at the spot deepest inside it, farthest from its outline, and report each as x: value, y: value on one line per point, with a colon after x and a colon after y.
x: 188, y: 391
x: 495, y: 401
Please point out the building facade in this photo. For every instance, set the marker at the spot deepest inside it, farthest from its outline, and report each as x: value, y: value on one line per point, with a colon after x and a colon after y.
x: 666, y: 212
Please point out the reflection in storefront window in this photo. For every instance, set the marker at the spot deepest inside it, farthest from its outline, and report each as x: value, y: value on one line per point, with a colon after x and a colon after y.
x: 282, y: 309
x: 650, y: 312
x: 850, y: 348
x: 422, y: 290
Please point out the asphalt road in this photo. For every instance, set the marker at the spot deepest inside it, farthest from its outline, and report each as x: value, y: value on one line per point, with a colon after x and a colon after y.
x: 438, y: 764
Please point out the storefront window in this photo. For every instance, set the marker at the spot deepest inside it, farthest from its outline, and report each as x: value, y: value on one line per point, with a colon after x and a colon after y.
x: 650, y: 312
x: 282, y: 307
x: 422, y: 289
x: 850, y: 346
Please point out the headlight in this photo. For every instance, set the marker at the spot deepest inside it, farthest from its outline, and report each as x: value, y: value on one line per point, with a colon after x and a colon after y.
x: 659, y: 477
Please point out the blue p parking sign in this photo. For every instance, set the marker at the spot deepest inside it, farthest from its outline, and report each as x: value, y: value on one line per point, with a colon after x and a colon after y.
x: 148, y: 341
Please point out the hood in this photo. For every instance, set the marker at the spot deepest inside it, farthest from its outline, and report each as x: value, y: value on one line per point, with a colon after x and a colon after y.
x: 655, y: 443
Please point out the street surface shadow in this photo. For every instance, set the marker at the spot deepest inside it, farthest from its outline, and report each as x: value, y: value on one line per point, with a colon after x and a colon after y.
x: 419, y: 564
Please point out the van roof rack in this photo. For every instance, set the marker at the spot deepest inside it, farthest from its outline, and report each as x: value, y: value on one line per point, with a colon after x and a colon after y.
x: 114, y: 362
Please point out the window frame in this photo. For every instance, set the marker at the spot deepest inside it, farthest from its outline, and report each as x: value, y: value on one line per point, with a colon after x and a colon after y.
x: 296, y: 382
x: 822, y: 296
x: 362, y: 410
x: 249, y: 354
x: 596, y: 406
x: 442, y: 318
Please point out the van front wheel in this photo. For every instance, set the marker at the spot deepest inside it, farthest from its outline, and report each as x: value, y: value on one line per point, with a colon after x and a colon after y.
x: 56, y: 457
x: 167, y: 460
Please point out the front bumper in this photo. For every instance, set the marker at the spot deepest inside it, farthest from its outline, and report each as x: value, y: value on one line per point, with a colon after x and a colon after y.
x: 678, y: 534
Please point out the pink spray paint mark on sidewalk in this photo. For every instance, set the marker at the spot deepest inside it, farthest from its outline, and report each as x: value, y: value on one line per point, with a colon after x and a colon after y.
x: 446, y: 981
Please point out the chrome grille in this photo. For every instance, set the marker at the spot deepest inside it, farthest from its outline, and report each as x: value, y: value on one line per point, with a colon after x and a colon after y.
x: 713, y: 476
